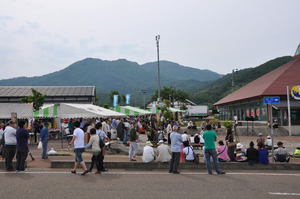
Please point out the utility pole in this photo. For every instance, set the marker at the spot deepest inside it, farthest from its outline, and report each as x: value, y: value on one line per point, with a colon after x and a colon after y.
x: 144, y: 91
x: 158, y: 68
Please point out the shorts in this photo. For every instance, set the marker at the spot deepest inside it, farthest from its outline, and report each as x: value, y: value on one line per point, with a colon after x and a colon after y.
x: 78, y: 154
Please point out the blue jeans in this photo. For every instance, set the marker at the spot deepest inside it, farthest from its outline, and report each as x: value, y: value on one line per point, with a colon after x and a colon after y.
x: 45, y: 148
x: 212, y: 153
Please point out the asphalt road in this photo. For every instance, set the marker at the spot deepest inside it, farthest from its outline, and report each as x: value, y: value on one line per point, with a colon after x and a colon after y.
x: 55, y: 184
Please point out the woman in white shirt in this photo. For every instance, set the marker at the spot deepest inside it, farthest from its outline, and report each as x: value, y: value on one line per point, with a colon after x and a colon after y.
x: 94, y: 143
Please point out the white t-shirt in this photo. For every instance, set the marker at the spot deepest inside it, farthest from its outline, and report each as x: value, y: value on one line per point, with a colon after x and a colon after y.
x: 79, y: 141
x: 148, y: 154
x: 185, y: 137
x: 188, y: 151
x: 10, y: 135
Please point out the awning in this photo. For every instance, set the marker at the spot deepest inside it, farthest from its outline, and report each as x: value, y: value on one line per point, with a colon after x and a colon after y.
x: 23, y: 111
x: 64, y: 110
x: 175, y: 110
x: 132, y: 111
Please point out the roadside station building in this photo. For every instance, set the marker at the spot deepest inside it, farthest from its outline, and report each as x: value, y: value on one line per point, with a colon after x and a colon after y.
x: 249, y: 100
x: 54, y: 94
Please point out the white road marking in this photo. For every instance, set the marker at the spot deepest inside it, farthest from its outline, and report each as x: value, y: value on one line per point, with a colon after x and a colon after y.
x: 152, y: 173
x: 284, y: 194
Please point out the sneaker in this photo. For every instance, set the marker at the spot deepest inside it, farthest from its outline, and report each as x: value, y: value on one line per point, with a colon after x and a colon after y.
x: 98, y: 172
x: 85, y: 172
x: 176, y: 172
x: 104, y: 170
x: 221, y: 173
x: 73, y: 171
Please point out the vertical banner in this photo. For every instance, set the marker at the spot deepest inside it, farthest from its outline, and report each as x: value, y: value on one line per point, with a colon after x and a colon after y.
x: 115, y: 103
x: 127, y: 99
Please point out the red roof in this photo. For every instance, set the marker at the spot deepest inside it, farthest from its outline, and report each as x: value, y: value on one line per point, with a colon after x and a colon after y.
x: 272, y: 83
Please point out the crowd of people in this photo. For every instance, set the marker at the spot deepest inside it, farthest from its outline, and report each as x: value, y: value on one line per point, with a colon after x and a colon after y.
x: 171, y: 146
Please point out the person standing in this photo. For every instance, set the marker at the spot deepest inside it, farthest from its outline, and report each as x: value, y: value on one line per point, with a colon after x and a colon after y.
x: 104, y: 138
x: 2, y: 139
x: 96, y: 158
x: 133, y: 148
x: 44, y: 139
x: 210, y: 137
x: 78, y: 140
x: 22, y: 136
x: 176, y: 142
x: 10, y: 144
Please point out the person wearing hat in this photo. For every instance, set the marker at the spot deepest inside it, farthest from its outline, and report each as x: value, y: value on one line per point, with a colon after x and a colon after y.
x: 240, y: 153
x: 148, y: 152
x: 281, y: 154
x: 269, y: 143
x: 163, y: 152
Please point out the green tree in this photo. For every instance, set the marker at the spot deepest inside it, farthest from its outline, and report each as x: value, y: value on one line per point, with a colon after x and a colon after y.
x: 37, y: 99
x: 171, y: 94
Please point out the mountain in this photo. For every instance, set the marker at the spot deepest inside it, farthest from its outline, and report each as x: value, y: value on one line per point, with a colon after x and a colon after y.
x: 122, y: 75
x: 220, y: 88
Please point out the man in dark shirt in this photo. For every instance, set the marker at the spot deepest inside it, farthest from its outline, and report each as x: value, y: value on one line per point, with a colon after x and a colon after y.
x: 44, y: 138
x: 22, y: 136
x: 252, y: 154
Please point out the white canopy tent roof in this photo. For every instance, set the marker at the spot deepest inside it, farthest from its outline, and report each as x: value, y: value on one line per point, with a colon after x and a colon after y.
x: 65, y: 110
x: 23, y: 111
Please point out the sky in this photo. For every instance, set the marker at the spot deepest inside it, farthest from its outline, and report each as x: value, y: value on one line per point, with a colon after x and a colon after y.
x: 39, y: 37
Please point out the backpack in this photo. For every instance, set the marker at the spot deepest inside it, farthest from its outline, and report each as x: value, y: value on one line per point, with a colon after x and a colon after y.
x: 101, y: 143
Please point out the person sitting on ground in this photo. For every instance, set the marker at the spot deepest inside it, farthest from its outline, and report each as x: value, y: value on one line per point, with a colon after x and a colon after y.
x: 240, y: 153
x: 163, y: 152
x: 188, y: 152
x: 148, y: 152
x: 222, y: 150
x: 196, y: 138
x: 263, y: 155
x: 190, y: 124
x: 260, y: 141
x: 281, y: 154
x: 252, y: 154
x: 269, y: 143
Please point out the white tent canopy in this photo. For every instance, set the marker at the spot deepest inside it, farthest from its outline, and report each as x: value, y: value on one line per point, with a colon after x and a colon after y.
x: 23, y: 111
x: 65, y: 110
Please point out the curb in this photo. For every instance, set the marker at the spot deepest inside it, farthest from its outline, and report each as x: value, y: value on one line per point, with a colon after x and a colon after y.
x: 201, y: 166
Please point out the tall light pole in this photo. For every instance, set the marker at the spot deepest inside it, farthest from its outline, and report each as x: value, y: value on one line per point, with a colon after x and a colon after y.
x: 158, y: 68
x: 144, y: 91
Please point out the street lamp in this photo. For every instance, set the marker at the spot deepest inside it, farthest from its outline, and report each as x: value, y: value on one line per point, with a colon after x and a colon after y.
x: 158, y: 68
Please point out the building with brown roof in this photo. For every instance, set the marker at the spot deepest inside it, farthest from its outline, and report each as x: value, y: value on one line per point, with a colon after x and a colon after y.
x: 248, y: 101
x: 54, y: 94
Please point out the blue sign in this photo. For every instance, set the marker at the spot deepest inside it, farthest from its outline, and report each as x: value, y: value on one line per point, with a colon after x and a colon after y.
x: 271, y: 100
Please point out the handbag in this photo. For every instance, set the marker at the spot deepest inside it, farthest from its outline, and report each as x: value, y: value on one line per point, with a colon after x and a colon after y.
x: 40, y: 145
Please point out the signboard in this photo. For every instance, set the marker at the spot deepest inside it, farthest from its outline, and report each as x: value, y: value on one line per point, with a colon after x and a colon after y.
x: 272, y: 100
x: 115, y: 102
x: 128, y: 99
x: 198, y: 111
x: 295, y: 92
